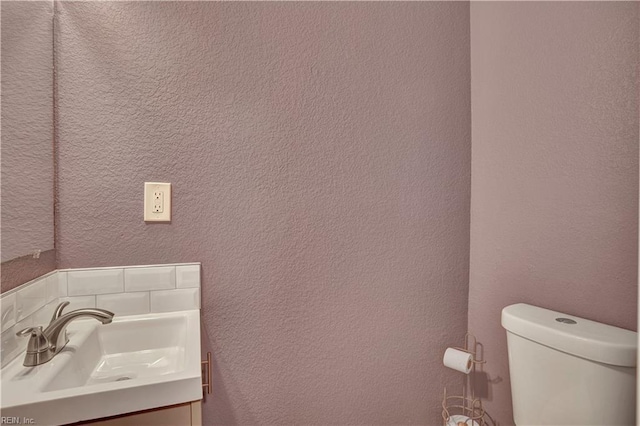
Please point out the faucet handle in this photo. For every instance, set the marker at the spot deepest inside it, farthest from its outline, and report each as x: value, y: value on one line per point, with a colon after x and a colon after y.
x: 30, y: 331
x: 38, y: 341
x: 58, y: 312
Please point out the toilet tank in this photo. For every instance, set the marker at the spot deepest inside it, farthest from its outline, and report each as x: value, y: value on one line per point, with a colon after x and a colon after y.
x: 567, y: 370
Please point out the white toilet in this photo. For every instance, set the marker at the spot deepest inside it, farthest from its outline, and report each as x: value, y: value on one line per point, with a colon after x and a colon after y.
x: 567, y: 370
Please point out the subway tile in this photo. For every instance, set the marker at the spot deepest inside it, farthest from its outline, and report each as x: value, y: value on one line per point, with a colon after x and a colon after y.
x: 52, y: 287
x: 175, y: 300
x: 43, y: 315
x: 31, y: 298
x: 124, y: 303
x: 10, y: 346
x: 152, y: 278
x: 62, y: 284
x: 188, y: 276
x: 24, y: 323
x: 79, y: 302
x: 99, y: 281
x: 8, y: 311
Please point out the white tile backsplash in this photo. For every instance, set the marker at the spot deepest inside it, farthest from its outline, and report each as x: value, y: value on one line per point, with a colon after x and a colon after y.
x: 31, y: 298
x: 124, y: 303
x: 100, y: 281
x: 79, y: 302
x: 122, y: 290
x: 175, y: 300
x: 13, y: 345
x: 62, y: 284
x: 188, y: 276
x: 27, y: 322
x: 43, y: 315
x: 10, y: 346
x: 8, y: 311
x: 150, y: 278
x: 52, y: 291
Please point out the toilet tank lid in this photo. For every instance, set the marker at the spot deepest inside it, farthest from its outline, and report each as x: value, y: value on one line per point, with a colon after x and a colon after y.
x: 577, y: 336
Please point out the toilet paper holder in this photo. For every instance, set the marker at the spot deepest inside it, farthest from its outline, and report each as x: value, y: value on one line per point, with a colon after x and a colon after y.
x: 465, y: 407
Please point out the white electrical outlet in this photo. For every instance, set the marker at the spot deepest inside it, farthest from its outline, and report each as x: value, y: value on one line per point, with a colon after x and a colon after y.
x: 157, y: 202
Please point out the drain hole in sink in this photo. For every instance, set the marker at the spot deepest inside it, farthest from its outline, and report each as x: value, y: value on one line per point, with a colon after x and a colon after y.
x: 123, y: 378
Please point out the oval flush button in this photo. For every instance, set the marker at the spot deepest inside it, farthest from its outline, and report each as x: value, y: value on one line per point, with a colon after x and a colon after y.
x: 566, y: 320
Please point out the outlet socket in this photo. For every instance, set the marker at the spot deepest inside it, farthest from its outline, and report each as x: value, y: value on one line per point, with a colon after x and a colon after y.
x: 157, y: 202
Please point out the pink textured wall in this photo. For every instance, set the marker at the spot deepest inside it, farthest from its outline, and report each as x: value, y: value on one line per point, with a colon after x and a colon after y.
x: 554, y: 211
x: 27, y: 128
x: 320, y: 157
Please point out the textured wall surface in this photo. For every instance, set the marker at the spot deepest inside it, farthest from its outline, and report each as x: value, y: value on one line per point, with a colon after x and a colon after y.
x: 27, y: 128
x: 554, y: 209
x: 320, y: 157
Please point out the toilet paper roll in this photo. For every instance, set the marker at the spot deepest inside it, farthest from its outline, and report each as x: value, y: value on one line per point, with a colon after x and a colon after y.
x: 458, y: 360
x: 459, y: 418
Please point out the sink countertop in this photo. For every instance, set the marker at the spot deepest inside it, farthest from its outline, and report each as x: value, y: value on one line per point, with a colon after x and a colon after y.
x: 90, y: 377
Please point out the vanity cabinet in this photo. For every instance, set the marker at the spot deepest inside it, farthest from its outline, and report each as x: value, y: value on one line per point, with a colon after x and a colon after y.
x: 187, y: 414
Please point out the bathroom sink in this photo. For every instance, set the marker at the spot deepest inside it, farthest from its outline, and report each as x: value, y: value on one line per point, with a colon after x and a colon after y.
x: 126, y: 350
x: 135, y: 363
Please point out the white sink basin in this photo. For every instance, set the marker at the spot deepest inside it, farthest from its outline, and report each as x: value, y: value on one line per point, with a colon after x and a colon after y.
x: 135, y: 363
x: 126, y: 350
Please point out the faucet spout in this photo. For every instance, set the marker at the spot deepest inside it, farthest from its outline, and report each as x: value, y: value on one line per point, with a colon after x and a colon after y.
x: 56, y: 332
x: 44, y: 345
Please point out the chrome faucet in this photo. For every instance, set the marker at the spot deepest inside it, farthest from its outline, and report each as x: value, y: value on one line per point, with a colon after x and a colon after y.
x: 45, y: 344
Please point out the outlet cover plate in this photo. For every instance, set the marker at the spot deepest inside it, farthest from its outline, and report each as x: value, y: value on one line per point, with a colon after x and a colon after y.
x: 157, y: 202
